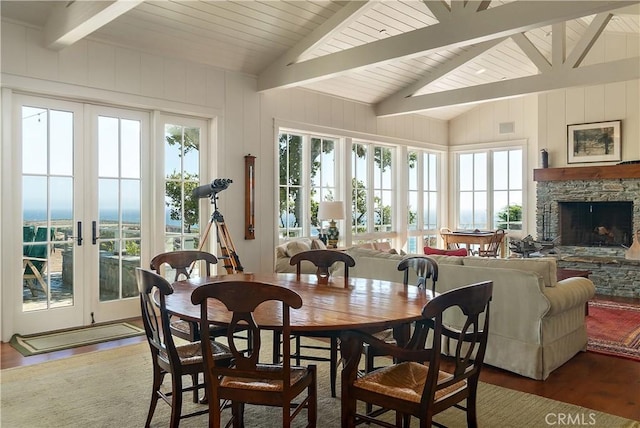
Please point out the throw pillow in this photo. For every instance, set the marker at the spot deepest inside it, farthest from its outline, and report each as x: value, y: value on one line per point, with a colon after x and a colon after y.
x: 317, y: 244
x: 295, y: 247
x: 460, y: 252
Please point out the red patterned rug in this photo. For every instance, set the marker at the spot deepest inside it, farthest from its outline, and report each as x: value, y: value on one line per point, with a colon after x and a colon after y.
x: 614, y: 329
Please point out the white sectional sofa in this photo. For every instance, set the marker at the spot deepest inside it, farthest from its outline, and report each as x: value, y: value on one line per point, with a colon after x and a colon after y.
x: 537, y: 323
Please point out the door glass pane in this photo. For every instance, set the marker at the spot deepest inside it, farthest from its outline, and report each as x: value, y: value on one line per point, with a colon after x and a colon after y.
x: 47, y: 208
x: 34, y: 140
x: 119, y: 206
x: 182, y: 175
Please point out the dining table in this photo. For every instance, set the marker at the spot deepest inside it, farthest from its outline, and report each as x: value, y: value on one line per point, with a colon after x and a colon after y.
x: 354, y: 304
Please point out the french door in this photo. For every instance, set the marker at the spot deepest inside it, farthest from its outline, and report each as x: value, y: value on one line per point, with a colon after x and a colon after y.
x: 80, y: 179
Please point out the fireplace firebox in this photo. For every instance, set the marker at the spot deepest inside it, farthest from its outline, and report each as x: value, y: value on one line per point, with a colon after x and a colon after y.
x: 596, y: 223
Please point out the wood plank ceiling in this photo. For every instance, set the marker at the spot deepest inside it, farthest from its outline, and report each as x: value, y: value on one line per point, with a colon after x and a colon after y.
x: 436, y: 58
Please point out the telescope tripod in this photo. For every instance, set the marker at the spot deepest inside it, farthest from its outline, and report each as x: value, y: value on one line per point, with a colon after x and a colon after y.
x: 227, y: 249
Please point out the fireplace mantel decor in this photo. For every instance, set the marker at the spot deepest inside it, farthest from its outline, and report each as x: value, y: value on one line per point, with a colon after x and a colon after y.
x: 601, y: 172
x: 594, y: 142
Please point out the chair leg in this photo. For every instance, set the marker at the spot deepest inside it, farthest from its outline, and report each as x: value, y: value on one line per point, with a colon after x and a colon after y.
x: 369, y: 366
x: 196, y: 391
x: 312, y: 404
x: 276, y: 347
x: 237, y: 412
x: 158, y: 376
x: 176, y: 400
x: 298, y: 351
x: 333, y: 365
x: 472, y: 421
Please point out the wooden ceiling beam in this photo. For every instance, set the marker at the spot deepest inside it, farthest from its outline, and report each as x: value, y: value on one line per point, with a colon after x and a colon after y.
x: 609, y: 72
x: 461, y: 30
x: 72, y: 21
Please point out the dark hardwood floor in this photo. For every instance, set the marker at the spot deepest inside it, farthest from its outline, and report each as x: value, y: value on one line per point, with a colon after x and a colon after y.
x: 599, y: 382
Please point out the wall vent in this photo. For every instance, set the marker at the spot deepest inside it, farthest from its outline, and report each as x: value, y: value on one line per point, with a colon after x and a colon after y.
x: 507, y: 127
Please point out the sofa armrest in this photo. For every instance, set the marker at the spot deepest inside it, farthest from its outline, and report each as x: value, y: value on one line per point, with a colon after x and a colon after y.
x: 569, y: 293
x: 518, y: 304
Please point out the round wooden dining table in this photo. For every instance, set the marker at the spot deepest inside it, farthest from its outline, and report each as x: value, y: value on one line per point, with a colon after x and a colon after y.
x: 333, y: 307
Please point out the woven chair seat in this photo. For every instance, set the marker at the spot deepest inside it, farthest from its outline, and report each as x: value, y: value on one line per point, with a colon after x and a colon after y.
x: 406, y: 381
x: 191, y: 353
x: 297, y: 373
x: 181, y: 326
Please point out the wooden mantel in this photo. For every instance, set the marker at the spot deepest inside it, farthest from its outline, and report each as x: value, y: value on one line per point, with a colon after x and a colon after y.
x: 587, y: 172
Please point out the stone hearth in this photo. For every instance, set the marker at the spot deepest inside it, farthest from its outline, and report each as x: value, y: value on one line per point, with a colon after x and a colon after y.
x: 611, y: 273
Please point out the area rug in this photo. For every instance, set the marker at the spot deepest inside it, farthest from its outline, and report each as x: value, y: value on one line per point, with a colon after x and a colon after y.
x: 111, y: 388
x: 614, y: 329
x: 56, y: 341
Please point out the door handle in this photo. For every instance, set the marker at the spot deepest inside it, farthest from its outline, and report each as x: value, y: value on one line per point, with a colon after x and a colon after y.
x: 94, y: 233
x: 79, y: 234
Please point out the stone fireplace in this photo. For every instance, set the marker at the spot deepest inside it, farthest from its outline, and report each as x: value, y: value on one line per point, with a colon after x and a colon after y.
x: 590, y: 213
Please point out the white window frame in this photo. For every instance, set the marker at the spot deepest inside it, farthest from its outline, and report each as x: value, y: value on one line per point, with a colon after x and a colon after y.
x: 306, y: 228
x: 489, y: 149
x: 371, y: 234
x: 422, y: 232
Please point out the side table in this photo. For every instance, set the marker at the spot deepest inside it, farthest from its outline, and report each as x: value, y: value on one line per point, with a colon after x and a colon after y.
x: 573, y: 273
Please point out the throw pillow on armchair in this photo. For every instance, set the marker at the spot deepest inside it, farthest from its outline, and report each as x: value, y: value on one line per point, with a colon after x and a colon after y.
x: 460, y: 252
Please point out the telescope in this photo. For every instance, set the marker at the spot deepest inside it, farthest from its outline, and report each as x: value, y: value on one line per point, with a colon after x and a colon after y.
x: 216, y: 186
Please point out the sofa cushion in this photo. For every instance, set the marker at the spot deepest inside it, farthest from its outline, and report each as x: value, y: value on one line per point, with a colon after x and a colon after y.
x: 297, y: 246
x: 460, y: 252
x: 356, y: 252
x: 545, y: 267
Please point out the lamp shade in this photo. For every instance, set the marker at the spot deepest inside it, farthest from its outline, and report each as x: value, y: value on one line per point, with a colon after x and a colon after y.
x: 331, y: 210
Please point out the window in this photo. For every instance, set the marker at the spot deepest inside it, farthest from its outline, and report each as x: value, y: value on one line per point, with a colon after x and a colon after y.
x: 490, y: 187
x: 422, y: 221
x: 182, y: 175
x: 372, y: 189
x: 307, y: 175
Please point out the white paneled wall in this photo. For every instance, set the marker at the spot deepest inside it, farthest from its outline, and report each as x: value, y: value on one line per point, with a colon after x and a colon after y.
x: 94, y: 71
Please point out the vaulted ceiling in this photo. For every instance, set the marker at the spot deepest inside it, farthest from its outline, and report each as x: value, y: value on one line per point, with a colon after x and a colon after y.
x: 436, y: 58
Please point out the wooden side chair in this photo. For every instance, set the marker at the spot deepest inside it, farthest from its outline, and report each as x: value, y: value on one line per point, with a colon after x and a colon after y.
x: 183, y: 263
x: 34, y: 258
x: 451, y: 246
x: 323, y: 260
x: 493, y: 248
x: 247, y: 380
x: 166, y: 356
x: 424, y: 268
x: 419, y: 385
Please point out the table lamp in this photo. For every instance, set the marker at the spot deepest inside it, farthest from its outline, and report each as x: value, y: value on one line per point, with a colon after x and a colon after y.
x: 331, y: 211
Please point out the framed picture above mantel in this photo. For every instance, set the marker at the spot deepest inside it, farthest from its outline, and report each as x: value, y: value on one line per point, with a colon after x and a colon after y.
x: 594, y: 142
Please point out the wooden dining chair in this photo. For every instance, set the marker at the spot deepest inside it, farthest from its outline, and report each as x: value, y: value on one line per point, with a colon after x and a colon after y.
x: 453, y: 245
x: 419, y: 384
x: 323, y: 260
x: 166, y: 356
x: 493, y: 248
x: 184, y: 262
x: 425, y: 268
x: 247, y: 380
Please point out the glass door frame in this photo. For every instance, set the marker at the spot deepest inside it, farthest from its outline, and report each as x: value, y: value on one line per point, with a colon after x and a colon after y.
x: 53, y: 318
x: 109, y: 310
x: 87, y: 308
